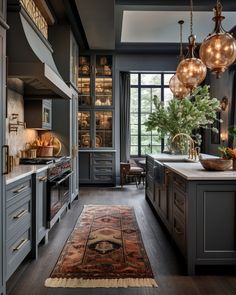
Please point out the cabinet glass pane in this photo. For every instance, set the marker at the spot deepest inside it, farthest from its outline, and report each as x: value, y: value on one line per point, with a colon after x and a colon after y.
x: 84, y: 81
x: 103, y: 129
x: 84, y: 129
x: 103, y: 65
x: 103, y: 91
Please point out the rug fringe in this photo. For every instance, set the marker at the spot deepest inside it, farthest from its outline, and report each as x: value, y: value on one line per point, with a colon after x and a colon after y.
x: 100, y: 283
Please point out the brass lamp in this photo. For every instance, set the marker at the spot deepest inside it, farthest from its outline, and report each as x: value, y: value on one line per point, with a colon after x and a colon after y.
x: 191, y: 71
x: 218, y: 50
x: 178, y: 89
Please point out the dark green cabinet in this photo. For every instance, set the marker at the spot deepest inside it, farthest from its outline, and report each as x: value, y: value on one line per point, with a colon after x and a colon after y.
x: 216, y: 215
x: 39, y: 224
x: 97, y: 167
x: 96, y: 119
x: 3, y: 27
x: 199, y: 214
x: 150, y: 164
x: 18, y: 222
x: 38, y: 113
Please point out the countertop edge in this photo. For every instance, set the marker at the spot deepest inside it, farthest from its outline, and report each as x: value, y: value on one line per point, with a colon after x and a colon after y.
x: 22, y: 171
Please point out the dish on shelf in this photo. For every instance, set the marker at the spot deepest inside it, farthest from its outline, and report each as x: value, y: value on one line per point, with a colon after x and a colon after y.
x: 218, y: 164
x: 98, y: 141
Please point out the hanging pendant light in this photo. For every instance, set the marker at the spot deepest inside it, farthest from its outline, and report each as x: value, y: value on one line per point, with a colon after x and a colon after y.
x: 191, y: 71
x: 178, y: 89
x: 218, y: 50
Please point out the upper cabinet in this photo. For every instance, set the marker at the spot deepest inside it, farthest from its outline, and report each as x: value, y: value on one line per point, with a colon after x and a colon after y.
x: 65, y: 53
x: 95, y: 83
x: 38, y: 114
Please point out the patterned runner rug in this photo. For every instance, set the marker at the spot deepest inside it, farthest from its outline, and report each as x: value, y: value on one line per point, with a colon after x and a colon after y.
x: 104, y: 250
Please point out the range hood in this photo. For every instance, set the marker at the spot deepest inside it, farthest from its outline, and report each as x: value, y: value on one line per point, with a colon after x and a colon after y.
x: 30, y: 58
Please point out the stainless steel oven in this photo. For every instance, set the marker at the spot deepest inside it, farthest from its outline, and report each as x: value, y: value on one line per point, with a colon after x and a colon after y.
x: 58, y: 189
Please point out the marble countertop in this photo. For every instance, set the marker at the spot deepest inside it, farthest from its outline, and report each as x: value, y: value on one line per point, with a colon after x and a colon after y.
x: 195, y: 171
x: 21, y: 171
x: 164, y: 157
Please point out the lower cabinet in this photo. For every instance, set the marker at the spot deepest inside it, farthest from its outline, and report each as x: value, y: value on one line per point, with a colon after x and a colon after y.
x: 200, y: 216
x: 39, y: 224
x: 97, y: 167
x: 216, y: 216
x: 18, y: 223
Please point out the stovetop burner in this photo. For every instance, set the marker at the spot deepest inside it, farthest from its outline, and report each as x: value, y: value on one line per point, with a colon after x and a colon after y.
x: 40, y: 161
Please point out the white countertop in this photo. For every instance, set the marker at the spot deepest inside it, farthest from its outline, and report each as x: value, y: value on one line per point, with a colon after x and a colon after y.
x: 21, y: 171
x: 163, y: 157
x: 195, y: 171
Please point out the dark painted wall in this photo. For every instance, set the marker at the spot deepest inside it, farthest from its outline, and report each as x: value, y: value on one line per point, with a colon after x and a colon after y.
x: 219, y: 88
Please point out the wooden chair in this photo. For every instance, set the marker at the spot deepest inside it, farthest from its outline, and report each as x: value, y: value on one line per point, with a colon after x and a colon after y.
x: 130, y: 170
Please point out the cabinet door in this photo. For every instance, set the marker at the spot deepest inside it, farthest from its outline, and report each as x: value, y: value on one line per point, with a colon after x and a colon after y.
x: 47, y: 114
x: 74, y: 152
x: 73, y: 60
x: 103, y: 80
x: 41, y: 198
x: 84, y: 81
x: 84, y: 123
x: 103, y: 131
x: 216, y: 215
x: 2, y: 142
x: 85, y: 162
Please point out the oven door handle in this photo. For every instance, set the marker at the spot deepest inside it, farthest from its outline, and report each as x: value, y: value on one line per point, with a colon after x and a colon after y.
x: 63, y: 179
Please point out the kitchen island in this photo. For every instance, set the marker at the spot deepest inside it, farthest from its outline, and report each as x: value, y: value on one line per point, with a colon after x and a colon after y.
x: 197, y: 207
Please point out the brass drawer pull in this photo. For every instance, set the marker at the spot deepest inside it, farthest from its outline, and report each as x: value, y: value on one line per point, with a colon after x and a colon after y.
x: 21, y: 189
x: 22, y: 243
x: 23, y: 212
x: 43, y: 178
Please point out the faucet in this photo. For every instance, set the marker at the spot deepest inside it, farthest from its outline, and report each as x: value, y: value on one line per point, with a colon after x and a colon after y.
x: 193, y: 151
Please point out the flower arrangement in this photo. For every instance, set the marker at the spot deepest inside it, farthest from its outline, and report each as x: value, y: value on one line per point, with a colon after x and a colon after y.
x: 183, y: 116
x: 227, y: 153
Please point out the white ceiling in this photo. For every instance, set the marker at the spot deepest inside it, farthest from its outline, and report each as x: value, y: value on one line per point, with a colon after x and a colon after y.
x: 163, y: 27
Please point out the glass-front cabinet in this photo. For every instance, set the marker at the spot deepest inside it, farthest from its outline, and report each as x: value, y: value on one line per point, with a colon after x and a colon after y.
x: 84, y: 81
x: 95, y: 116
x: 96, y: 119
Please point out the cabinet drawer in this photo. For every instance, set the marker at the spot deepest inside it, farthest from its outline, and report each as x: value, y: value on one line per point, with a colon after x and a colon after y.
x: 180, y: 182
x: 17, y: 249
x: 179, y: 201
x: 18, y: 190
x: 105, y: 170
x: 18, y: 217
x: 103, y: 155
x: 98, y: 162
x: 103, y: 177
x: 179, y: 233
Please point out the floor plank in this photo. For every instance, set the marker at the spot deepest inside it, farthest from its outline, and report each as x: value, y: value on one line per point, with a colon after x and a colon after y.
x: 167, y: 264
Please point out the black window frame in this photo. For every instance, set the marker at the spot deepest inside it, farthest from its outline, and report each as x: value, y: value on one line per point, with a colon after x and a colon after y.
x: 139, y: 86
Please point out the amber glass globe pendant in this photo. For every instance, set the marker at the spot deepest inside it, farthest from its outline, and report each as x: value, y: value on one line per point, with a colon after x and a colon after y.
x: 191, y: 71
x: 218, y: 50
x: 177, y: 88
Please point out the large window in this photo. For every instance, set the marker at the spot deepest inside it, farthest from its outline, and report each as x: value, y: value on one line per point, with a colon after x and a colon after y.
x: 143, y: 87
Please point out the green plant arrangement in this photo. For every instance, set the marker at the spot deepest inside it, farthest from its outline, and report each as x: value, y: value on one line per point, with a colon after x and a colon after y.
x: 183, y: 116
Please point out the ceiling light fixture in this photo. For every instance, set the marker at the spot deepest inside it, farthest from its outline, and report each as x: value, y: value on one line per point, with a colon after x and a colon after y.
x: 191, y: 71
x: 218, y: 50
x: 178, y: 89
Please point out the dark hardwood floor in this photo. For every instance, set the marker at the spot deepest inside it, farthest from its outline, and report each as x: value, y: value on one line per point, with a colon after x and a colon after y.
x: 167, y: 264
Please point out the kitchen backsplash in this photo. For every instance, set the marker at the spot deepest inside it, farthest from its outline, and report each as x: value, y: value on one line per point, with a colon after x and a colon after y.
x: 17, y: 140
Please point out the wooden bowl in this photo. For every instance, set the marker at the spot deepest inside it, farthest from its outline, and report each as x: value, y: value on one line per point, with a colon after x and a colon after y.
x: 216, y: 164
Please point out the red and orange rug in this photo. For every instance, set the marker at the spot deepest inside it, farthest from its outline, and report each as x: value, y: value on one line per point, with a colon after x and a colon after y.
x: 104, y: 250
